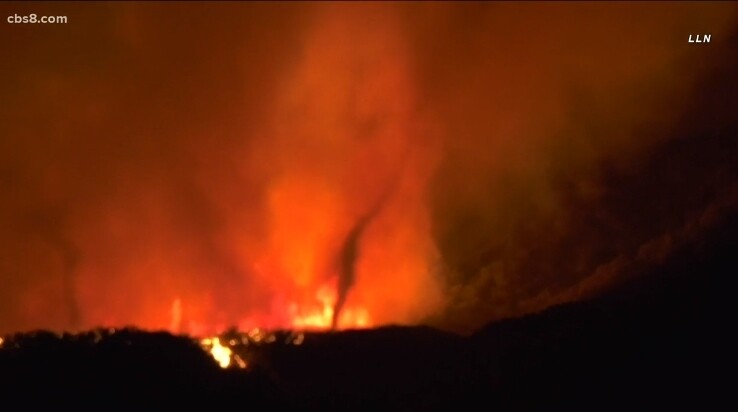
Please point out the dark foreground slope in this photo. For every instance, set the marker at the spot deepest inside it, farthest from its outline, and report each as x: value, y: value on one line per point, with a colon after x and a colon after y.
x: 659, y: 341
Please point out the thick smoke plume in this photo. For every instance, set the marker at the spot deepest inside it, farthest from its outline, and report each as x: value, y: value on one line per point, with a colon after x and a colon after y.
x: 209, y: 165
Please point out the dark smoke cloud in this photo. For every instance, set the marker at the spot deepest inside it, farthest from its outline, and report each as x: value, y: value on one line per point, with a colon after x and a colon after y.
x: 136, y: 158
x: 570, y: 147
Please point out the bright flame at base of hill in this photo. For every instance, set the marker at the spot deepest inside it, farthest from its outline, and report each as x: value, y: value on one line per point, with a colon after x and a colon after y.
x: 231, y: 349
x: 221, y: 354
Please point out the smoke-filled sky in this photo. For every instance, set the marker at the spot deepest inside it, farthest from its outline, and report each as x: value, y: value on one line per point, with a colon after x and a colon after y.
x: 194, y: 166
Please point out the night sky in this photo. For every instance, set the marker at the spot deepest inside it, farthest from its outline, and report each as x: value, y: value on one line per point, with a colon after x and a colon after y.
x: 194, y: 166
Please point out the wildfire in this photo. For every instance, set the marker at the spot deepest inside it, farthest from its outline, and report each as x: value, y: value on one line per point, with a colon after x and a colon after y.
x: 324, y: 195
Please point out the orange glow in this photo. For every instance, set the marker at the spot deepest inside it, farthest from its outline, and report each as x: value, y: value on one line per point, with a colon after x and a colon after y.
x: 262, y: 246
x: 176, y: 316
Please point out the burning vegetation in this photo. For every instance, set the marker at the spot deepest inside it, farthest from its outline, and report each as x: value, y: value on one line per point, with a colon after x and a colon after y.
x: 234, y: 349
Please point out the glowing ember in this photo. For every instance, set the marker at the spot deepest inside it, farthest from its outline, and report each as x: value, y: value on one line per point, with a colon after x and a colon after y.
x: 221, y: 354
x: 1, y: 342
x: 256, y: 335
x: 240, y: 362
